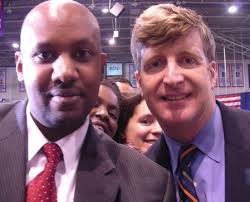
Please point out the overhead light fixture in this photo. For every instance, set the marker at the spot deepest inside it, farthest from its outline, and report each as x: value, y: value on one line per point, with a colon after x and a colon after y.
x: 105, y: 10
x: 15, y: 45
x: 112, y: 41
x: 232, y: 9
x: 115, y: 34
x: 116, y: 9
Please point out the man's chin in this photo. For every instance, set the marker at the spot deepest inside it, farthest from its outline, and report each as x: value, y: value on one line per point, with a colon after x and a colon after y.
x: 66, y: 120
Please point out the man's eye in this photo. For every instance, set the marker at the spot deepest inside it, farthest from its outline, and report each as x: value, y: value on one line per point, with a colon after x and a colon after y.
x: 82, y: 54
x: 188, y: 61
x: 155, y: 65
x: 45, y: 56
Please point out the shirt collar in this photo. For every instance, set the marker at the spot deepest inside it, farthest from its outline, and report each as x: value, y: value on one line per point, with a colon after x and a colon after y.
x: 211, y: 137
x: 71, y: 142
x: 208, y: 140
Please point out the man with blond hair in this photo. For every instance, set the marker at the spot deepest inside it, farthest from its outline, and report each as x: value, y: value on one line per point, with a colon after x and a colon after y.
x: 49, y: 150
x: 205, y: 144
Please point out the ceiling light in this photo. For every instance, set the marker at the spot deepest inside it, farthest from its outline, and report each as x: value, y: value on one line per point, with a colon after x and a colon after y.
x: 112, y: 41
x: 232, y: 9
x: 105, y: 10
x: 15, y: 45
x: 115, y: 33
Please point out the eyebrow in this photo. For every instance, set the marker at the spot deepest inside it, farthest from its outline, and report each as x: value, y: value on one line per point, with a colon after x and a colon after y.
x: 192, y: 53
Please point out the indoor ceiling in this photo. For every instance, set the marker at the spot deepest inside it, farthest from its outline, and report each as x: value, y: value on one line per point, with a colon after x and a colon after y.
x: 232, y: 31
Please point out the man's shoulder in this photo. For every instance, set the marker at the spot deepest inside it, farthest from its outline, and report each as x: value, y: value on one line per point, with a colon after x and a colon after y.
x: 5, y: 108
x: 233, y: 113
x: 236, y: 124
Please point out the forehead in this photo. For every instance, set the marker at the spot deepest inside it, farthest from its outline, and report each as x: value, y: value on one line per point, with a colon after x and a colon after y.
x: 190, y: 42
x: 45, y: 26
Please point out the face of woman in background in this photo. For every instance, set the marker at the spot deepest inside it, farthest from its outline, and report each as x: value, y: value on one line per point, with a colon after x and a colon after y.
x: 142, y: 129
x: 106, y: 112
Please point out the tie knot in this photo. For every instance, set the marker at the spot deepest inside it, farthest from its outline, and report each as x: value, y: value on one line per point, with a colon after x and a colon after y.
x: 53, y: 153
x: 187, y: 154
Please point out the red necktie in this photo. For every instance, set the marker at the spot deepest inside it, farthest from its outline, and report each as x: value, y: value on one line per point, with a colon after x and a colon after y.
x: 43, y: 187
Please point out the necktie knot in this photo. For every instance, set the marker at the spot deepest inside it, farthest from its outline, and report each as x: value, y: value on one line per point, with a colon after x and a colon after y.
x: 187, y: 155
x: 53, y: 153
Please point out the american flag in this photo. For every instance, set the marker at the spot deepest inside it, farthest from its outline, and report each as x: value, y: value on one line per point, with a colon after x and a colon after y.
x: 232, y: 100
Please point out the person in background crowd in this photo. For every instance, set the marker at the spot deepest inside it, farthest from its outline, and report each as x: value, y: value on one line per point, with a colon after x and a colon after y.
x: 105, y: 115
x: 206, y: 145
x: 139, y: 127
x: 50, y: 151
x: 124, y: 85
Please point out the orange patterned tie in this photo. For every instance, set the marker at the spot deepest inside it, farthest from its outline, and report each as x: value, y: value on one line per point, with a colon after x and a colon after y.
x: 43, y: 187
x: 185, y: 183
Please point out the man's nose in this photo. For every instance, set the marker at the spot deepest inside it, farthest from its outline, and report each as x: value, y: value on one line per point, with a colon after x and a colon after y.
x: 64, y: 69
x: 173, y: 74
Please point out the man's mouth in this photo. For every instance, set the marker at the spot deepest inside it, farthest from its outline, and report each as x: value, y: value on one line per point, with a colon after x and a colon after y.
x: 176, y: 97
x: 65, y: 93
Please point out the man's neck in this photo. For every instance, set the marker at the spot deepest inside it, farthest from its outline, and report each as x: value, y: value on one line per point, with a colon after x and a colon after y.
x: 55, y: 134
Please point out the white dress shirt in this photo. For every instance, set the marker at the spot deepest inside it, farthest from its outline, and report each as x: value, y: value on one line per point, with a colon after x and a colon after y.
x: 70, y: 145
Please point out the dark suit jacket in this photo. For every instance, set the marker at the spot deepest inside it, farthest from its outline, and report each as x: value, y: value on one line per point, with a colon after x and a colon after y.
x: 236, y: 125
x: 107, y: 171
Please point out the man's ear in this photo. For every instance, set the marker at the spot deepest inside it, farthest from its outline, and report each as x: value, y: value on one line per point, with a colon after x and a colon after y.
x: 138, y: 81
x: 213, y: 73
x: 19, y: 65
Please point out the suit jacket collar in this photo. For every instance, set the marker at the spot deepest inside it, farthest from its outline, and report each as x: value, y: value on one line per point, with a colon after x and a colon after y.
x: 96, y: 178
x: 159, y: 153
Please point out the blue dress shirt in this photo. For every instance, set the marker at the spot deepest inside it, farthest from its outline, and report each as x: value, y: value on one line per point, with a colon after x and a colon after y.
x: 208, y: 169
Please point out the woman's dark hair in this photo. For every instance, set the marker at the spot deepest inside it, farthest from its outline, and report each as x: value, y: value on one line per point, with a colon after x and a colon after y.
x: 128, y: 107
x: 111, y: 84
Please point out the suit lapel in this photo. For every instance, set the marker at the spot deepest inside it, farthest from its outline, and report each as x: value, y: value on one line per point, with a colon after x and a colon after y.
x: 96, y: 179
x: 13, y: 155
x: 237, y: 160
x: 159, y: 153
